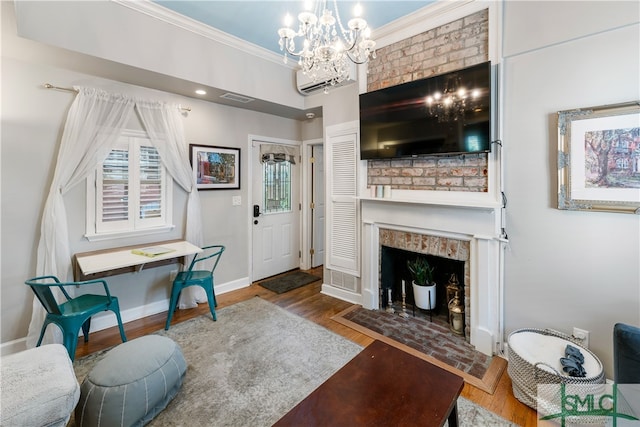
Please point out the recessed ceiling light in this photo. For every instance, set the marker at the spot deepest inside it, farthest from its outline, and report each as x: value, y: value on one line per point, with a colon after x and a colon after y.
x: 201, y: 92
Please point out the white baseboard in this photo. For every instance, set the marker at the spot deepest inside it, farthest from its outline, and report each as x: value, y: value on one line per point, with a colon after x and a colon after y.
x: 342, y: 294
x: 232, y: 286
x: 14, y: 346
x: 108, y: 319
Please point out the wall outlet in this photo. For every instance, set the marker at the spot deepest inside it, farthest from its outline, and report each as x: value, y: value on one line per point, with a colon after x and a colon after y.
x: 582, y: 336
x: 172, y: 275
x: 236, y: 200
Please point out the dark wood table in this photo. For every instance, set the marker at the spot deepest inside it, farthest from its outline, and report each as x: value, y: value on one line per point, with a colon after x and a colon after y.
x: 381, y: 386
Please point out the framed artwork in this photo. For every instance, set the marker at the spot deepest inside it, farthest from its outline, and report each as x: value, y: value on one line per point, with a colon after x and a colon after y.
x: 215, y: 168
x: 599, y: 158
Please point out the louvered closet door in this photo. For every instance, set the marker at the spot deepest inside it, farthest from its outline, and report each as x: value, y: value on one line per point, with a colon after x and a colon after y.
x: 342, y: 213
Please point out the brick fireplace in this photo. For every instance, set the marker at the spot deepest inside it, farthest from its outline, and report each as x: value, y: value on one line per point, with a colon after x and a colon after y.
x: 439, y: 246
x: 462, y: 230
x: 447, y: 206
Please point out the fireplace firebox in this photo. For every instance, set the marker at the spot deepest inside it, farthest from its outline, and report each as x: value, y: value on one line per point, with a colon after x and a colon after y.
x: 393, y: 271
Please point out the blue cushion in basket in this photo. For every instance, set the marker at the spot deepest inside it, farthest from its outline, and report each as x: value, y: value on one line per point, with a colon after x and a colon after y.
x: 132, y: 383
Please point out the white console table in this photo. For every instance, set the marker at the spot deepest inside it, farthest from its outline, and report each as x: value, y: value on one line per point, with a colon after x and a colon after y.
x: 109, y: 262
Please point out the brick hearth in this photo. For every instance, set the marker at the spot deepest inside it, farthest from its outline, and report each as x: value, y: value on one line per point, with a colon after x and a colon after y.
x: 432, y: 338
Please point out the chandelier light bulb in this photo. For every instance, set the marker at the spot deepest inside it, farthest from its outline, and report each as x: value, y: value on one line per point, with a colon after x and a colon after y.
x: 288, y: 20
x: 437, y: 96
x: 475, y: 94
x: 357, y: 10
x: 429, y: 100
x: 462, y: 93
x: 308, y: 5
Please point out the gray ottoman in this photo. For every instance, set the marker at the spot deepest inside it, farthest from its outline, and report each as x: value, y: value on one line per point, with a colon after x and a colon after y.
x: 132, y: 383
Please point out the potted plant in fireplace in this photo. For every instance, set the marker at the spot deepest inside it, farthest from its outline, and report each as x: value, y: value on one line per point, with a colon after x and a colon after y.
x: 424, y: 288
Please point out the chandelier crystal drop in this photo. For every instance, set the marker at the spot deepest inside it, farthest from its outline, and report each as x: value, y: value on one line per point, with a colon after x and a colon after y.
x: 326, y: 50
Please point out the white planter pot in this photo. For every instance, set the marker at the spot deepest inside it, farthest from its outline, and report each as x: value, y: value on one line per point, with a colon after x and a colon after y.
x: 424, y: 296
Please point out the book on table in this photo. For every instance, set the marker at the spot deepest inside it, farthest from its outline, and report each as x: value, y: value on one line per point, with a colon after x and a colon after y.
x: 152, y: 251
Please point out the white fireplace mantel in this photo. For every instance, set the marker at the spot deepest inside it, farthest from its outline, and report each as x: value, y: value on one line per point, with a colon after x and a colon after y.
x: 438, y: 198
x: 478, y: 226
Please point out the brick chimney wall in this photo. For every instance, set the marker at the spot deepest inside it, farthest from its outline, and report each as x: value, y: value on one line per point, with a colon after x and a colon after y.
x: 450, y: 47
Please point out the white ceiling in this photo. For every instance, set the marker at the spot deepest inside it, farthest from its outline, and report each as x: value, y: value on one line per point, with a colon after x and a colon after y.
x: 257, y: 22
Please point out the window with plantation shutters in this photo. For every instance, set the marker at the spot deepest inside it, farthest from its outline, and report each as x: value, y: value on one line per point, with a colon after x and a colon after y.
x: 131, y: 193
x: 114, y: 187
x: 150, y: 182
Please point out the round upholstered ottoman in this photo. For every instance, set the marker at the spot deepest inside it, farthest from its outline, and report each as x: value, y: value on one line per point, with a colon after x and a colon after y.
x: 132, y: 383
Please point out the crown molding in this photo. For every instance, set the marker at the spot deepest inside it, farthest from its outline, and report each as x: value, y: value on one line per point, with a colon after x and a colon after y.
x: 431, y: 16
x: 161, y: 13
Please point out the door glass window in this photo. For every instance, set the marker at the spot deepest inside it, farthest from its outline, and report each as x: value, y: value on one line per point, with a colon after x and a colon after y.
x: 276, y: 187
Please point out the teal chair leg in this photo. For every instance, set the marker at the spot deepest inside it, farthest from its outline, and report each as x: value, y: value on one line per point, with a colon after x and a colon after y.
x: 86, y: 326
x: 42, y: 331
x: 175, y: 294
x: 213, y: 292
x: 211, y: 299
x: 116, y: 310
x: 69, y: 336
x: 70, y: 341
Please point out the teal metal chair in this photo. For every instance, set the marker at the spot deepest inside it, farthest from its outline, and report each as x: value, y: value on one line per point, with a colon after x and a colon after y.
x: 191, y: 277
x: 74, y: 313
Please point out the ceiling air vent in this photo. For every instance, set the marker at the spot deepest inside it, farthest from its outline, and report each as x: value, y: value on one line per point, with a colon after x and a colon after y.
x: 237, y: 98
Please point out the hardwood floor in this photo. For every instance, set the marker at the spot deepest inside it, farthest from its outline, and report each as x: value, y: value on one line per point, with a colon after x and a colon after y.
x: 309, y: 303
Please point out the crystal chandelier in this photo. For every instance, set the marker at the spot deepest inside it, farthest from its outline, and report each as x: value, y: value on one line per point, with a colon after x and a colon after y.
x: 453, y: 102
x: 325, y: 50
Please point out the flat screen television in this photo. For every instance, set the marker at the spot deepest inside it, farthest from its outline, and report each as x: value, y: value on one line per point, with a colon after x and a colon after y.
x: 428, y: 116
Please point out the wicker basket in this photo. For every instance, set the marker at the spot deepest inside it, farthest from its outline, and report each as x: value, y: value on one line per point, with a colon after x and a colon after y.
x: 526, y: 376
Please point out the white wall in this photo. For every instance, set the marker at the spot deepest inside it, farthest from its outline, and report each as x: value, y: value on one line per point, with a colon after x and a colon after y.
x: 566, y: 268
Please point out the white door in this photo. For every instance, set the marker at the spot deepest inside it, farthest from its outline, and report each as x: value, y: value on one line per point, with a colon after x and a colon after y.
x: 317, y: 236
x: 276, y: 215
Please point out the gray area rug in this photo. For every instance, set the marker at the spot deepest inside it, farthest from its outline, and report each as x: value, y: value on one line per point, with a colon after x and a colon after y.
x: 254, y: 364
x: 289, y: 282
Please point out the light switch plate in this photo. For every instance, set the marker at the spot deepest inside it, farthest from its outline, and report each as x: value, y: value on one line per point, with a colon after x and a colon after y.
x: 236, y: 200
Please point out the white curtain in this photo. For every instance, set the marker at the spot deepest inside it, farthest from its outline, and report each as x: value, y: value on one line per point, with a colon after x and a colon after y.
x: 94, y: 122
x: 165, y: 130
